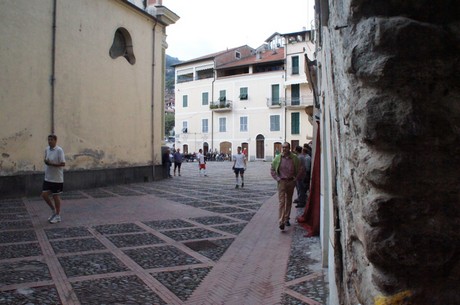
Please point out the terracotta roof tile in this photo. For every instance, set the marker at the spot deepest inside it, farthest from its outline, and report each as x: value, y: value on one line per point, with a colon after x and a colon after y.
x: 266, y: 56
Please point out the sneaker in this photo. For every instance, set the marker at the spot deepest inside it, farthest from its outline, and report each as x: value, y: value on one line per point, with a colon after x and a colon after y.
x: 55, y: 219
x: 237, y: 186
x: 242, y: 185
x: 52, y: 215
x: 288, y: 223
x: 282, y: 227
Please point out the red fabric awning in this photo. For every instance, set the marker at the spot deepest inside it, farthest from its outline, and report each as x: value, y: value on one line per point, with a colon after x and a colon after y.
x: 311, y: 215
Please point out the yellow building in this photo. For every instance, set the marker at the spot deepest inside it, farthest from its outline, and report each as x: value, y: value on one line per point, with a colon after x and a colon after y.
x: 254, y: 98
x: 92, y: 72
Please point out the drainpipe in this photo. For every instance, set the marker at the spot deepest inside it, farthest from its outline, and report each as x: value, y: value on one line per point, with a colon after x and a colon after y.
x: 53, y: 66
x: 212, y: 99
x: 285, y: 96
x: 152, y: 100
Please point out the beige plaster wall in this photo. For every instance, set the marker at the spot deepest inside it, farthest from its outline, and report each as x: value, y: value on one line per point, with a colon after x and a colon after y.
x: 25, y: 65
x: 103, y: 110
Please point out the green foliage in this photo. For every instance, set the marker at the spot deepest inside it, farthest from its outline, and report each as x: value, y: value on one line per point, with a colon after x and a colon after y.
x: 169, y: 122
x: 169, y: 77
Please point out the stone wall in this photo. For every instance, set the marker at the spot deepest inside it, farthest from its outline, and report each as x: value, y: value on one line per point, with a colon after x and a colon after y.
x: 389, y: 86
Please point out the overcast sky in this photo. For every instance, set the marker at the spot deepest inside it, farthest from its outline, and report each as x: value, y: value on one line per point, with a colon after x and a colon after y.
x: 208, y: 26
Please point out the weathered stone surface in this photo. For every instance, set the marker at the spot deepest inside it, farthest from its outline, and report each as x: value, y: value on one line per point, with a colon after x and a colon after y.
x: 390, y: 82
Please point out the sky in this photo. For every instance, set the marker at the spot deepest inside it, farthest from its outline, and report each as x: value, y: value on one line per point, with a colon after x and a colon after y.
x: 209, y: 26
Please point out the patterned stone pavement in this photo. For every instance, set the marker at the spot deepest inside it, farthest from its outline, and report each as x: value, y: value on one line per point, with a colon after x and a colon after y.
x: 185, y: 240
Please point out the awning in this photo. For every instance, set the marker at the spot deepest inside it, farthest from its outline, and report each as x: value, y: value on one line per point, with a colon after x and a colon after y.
x: 184, y: 71
x: 205, y: 67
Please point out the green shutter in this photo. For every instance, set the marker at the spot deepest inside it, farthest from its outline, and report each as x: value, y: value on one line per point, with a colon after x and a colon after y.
x: 295, y: 123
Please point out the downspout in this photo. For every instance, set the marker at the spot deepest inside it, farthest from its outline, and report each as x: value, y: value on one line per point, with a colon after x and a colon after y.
x: 53, y: 66
x: 152, y: 100
x: 285, y: 96
x: 212, y: 111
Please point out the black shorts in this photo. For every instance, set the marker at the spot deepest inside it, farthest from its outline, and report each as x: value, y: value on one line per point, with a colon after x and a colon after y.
x: 239, y: 170
x: 53, y: 187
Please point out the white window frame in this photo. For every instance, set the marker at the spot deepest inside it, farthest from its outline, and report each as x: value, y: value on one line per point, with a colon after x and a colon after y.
x: 203, y: 101
x: 184, y: 126
x: 204, y: 125
x: 272, y: 122
x: 243, y: 123
x: 222, y: 124
x: 184, y: 101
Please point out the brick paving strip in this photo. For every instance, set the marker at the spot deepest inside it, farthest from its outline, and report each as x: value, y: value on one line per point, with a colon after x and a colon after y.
x: 113, y: 236
x: 253, y: 268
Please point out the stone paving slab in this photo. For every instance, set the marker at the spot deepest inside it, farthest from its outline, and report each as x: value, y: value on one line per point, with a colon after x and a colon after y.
x: 185, y: 240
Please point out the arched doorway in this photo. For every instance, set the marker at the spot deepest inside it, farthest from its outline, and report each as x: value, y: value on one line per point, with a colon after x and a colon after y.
x: 260, y: 147
x: 205, y: 147
x: 245, y: 149
x: 226, y: 148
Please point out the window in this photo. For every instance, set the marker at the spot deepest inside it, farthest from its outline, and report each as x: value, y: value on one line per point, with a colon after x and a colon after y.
x: 295, y: 94
x: 184, y: 127
x: 237, y: 55
x: 275, y: 94
x: 204, y: 125
x: 274, y: 123
x: 244, y: 93
x: 222, y: 95
x: 295, y: 64
x: 244, y: 123
x: 185, y: 78
x: 122, y: 45
x: 295, y: 123
x: 222, y: 124
x: 204, y: 98
x: 185, y: 101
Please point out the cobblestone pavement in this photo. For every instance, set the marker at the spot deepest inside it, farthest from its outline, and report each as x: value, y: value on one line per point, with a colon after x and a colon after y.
x: 186, y: 240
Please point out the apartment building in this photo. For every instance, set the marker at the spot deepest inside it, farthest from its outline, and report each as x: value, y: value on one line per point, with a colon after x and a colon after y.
x: 254, y: 98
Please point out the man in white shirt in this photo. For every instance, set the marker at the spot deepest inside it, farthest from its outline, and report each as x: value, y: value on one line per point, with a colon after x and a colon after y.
x: 239, y: 166
x: 201, y: 162
x: 54, y: 178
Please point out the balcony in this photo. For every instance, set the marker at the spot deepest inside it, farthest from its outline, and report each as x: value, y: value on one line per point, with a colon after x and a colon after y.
x: 275, y: 102
x: 299, y: 102
x: 221, y: 106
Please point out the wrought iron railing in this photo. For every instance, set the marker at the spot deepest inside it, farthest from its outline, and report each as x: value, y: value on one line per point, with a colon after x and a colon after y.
x: 223, y: 105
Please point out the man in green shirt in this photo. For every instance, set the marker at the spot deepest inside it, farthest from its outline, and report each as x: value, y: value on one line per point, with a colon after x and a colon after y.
x: 285, y: 170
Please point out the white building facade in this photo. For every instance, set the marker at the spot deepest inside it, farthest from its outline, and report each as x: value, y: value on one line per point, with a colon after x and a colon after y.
x: 253, y: 98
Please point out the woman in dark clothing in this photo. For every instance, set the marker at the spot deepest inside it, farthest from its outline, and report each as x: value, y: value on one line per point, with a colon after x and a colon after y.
x: 178, y: 159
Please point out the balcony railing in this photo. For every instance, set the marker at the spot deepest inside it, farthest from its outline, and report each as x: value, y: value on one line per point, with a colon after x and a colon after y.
x: 275, y: 102
x: 225, y: 105
x: 299, y: 102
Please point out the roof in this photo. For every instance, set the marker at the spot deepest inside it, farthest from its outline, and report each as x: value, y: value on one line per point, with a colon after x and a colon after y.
x: 206, y: 57
x: 265, y: 57
x: 161, y: 14
x: 296, y: 33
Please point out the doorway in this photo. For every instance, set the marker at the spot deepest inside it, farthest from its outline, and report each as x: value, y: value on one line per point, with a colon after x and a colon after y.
x: 260, y: 147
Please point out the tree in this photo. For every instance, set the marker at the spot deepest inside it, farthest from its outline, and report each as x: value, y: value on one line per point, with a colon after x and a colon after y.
x: 169, y: 122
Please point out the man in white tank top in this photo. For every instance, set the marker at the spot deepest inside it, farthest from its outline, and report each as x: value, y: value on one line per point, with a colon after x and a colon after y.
x: 239, y: 166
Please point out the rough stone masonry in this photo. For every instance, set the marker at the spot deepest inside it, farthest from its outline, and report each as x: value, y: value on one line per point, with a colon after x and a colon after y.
x: 389, y: 76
